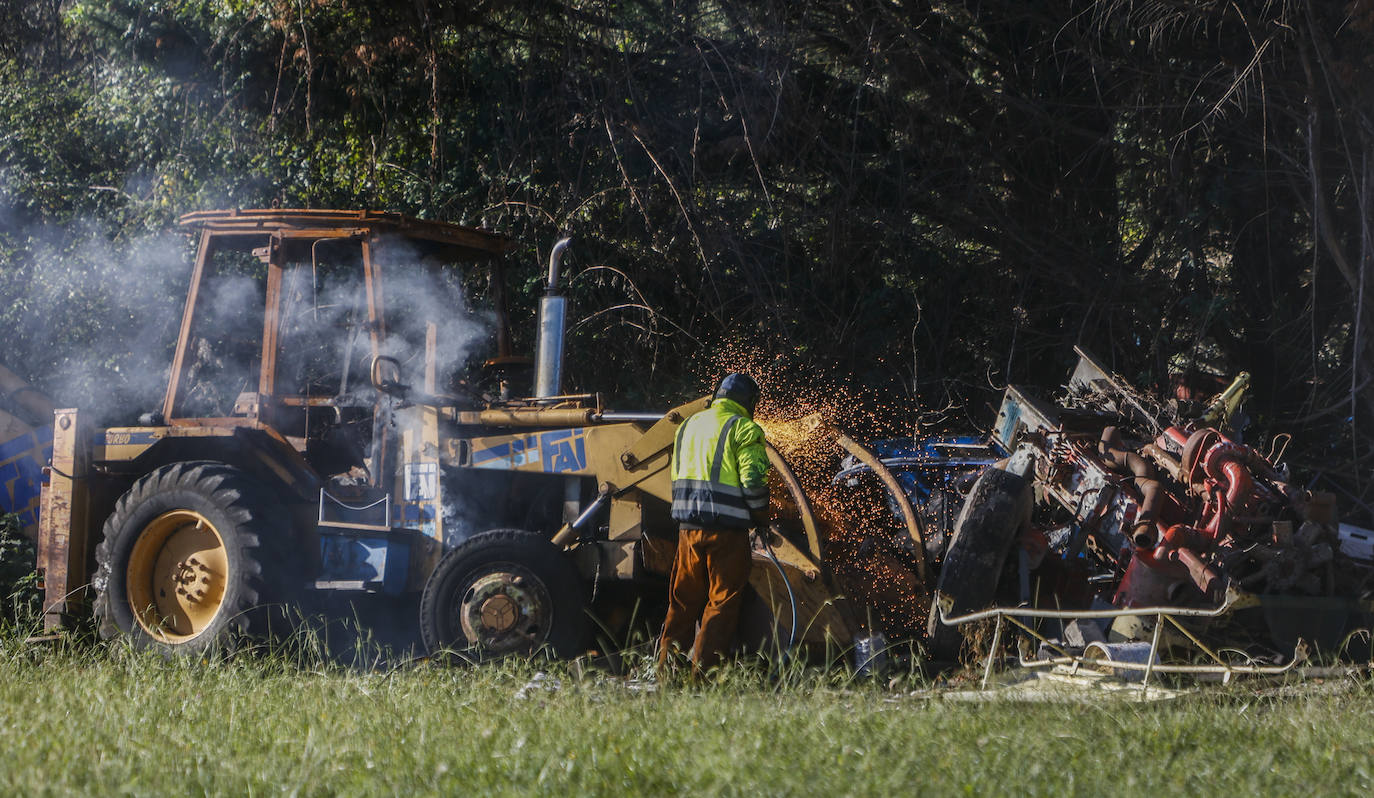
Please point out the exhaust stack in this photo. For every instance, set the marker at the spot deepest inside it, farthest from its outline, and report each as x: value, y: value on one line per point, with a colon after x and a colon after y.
x: 553, y: 317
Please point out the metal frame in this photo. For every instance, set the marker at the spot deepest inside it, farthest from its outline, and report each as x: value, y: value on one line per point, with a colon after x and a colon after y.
x: 1235, y: 600
x: 282, y: 225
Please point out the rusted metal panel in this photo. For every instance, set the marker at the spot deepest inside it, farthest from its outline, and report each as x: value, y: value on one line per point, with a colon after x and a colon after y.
x: 296, y: 222
x: 267, y: 380
x: 179, y: 362
x: 62, y: 538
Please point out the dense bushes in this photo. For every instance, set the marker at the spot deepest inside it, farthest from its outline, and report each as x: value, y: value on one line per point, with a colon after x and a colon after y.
x: 19, y: 595
x: 926, y: 202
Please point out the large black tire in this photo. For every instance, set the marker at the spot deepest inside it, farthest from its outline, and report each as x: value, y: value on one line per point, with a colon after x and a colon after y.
x: 501, y: 592
x: 192, y: 560
x: 995, y: 510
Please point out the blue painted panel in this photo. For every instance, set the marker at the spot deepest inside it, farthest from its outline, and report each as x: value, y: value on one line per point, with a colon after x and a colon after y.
x: 557, y: 452
x: 376, y: 561
x: 923, y: 467
x: 512, y: 454
x: 21, y: 473
x: 563, y: 450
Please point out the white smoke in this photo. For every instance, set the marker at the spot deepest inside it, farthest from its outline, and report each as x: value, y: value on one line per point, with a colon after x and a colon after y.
x: 90, y: 321
x: 325, y: 324
x: 91, y: 318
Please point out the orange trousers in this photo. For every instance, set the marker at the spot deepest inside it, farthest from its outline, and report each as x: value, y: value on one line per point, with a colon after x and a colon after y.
x: 710, y: 573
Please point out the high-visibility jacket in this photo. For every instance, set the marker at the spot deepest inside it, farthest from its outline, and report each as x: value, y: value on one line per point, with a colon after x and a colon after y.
x: 720, y: 468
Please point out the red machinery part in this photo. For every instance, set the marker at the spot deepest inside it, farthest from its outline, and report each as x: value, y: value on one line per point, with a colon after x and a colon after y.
x: 1202, y: 575
x: 1176, y: 537
x: 1224, y: 464
x: 1223, y: 473
x: 1193, y: 448
x: 1176, y: 435
x: 1175, y: 557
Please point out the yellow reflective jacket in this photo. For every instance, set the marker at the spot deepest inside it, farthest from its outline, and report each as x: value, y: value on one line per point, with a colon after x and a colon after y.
x: 720, y: 468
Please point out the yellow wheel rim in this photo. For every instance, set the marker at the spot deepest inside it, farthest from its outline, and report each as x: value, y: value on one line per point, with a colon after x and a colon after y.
x: 177, y: 574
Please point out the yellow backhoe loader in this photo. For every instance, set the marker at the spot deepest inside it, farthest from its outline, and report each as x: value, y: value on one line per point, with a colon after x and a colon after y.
x: 325, y: 427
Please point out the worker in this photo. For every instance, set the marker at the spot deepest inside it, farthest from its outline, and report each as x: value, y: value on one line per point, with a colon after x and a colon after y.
x: 720, y: 492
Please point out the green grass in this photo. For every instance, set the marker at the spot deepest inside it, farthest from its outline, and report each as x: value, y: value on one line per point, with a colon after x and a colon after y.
x: 101, y: 721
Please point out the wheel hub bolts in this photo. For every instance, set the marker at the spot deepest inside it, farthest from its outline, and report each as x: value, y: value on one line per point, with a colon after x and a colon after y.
x: 499, y: 613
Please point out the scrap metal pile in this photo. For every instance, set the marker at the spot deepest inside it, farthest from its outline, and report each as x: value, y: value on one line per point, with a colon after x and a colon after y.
x: 1107, y: 501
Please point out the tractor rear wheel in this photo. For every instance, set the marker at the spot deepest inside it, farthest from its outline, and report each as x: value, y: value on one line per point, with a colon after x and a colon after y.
x: 995, y: 510
x: 185, y: 566
x: 505, y: 591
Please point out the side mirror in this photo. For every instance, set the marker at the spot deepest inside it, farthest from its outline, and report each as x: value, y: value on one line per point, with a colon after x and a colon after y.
x: 385, y: 375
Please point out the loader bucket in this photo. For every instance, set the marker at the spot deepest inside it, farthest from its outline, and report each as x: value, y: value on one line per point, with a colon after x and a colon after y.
x: 26, y: 417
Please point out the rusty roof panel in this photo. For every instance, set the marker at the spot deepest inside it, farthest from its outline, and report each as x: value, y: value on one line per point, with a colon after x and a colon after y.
x: 468, y: 241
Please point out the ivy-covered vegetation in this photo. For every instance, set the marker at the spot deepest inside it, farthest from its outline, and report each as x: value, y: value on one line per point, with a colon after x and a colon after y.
x: 19, y: 595
x: 926, y: 200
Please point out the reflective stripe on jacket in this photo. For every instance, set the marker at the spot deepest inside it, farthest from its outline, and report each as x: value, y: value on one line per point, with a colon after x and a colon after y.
x: 720, y: 468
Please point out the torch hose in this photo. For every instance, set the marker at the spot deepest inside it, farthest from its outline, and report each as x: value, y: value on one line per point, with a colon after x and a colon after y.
x: 791, y: 597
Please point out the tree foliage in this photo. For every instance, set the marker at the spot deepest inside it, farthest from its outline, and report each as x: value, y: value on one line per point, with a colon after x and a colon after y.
x: 926, y: 200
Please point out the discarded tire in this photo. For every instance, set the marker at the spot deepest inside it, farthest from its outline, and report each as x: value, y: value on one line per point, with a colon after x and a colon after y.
x: 503, y: 592
x: 191, y: 560
x: 996, y: 508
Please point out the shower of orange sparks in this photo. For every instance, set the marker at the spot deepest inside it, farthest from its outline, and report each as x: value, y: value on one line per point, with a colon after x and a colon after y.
x: 794, y: 436
x: 800, y: 412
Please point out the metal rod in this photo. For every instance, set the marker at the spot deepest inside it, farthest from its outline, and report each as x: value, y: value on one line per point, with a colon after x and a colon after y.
x: 531, y: 417
x: 1226, y: 670
x: 1154, y: 652
x: 571, y: 531
x: 992, y: 651
x: 628, y: 416
x: 1044, y: 640
x: 591, y: 510
x: 1232, y: 603
x: 1209, y: 652
x: 1236, y: 600
x: 1159, y: 668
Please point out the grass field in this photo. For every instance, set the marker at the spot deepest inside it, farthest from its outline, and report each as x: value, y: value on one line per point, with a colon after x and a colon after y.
x: 102, y: 721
